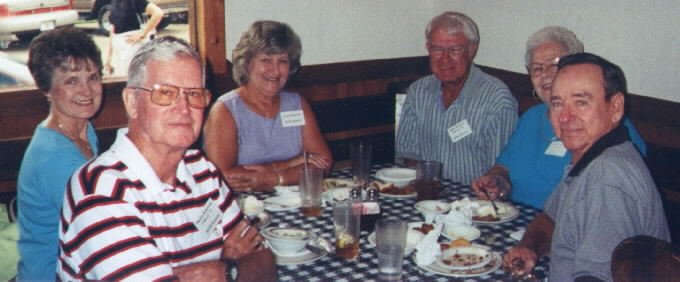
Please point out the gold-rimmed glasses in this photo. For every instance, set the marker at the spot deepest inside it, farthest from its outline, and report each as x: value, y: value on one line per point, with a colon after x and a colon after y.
x: 453, y: 51
x: 165, y: 95
x: 548, y: 66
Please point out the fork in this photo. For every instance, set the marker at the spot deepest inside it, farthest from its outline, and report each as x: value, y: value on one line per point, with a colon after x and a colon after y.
x: 493, y: 203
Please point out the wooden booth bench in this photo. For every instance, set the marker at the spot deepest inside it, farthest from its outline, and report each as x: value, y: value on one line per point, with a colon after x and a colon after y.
x: 352, y: 101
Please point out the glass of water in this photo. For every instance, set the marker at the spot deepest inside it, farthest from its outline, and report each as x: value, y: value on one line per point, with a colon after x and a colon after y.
x: 390, y: 236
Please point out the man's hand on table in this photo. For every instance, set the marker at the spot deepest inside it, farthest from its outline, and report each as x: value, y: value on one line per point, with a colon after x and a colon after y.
x: 519, y: 260
x: 243, y: 240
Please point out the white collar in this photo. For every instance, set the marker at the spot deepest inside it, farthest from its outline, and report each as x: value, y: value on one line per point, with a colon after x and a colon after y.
x: 138, y: 166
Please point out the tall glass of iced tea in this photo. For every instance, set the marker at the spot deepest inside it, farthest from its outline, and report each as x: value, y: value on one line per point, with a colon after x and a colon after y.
x: 347, y: 219
x: 427, y: 183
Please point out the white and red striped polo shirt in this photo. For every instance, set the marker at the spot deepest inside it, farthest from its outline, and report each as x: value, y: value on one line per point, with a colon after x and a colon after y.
x: 120, y: 222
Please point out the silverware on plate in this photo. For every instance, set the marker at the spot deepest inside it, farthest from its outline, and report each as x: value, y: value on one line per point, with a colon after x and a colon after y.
x: 493, y: 203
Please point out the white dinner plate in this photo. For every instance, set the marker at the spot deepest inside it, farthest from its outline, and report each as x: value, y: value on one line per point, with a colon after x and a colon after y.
x: 493, y: 265
x: 511, y: 212
x: 393, y: 196
x: 281, y: 203
x: 304, y: 256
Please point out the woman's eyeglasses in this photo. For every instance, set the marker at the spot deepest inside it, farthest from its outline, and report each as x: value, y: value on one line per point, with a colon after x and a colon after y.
x: 537, y: 69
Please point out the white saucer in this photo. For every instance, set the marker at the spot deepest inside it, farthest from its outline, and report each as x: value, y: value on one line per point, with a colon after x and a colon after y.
x: 304, y: 256
x: 281, y: 203
x: 493, y: 265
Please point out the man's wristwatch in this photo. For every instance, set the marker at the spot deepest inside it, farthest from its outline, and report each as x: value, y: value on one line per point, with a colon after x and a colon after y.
x: 230, y: 270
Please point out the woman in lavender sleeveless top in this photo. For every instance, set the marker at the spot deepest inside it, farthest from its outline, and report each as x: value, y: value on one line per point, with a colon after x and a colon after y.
x: 257, y: 133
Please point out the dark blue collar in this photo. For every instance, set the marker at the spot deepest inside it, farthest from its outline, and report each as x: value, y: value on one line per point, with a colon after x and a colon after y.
x: 611, y: 139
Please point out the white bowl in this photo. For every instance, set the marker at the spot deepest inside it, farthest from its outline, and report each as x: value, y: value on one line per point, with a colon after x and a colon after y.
x: 287, y: 240
x: 431, y: 208
x: 400, y: 177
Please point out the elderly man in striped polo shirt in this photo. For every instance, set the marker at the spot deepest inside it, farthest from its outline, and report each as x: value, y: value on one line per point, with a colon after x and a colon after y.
x: 148, y: 209
x: 458, y: 116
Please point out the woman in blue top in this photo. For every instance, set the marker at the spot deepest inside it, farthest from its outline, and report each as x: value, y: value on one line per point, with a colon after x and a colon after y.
x: 257, y: 133
x: 66, y: 66
x: 533, y: 161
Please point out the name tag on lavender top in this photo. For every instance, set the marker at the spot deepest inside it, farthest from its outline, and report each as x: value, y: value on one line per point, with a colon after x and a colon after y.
x: 293, y: 118
x: 556, y: 148
x: 459, y: 131
x: 209, y: 218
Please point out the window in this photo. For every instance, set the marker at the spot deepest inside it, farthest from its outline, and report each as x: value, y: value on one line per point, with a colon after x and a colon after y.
x: 179, y: 22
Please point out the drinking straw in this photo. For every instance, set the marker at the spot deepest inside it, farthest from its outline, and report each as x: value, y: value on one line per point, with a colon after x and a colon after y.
x: 304, y: 155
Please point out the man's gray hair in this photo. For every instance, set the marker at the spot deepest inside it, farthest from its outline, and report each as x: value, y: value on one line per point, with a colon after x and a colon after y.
x: 452, y: 23
x: 557, y: 34
x: 161, y: 49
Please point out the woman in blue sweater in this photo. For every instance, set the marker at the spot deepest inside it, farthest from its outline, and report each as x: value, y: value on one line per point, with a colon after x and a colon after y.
x: 66, y: 66
x: 533, y: 161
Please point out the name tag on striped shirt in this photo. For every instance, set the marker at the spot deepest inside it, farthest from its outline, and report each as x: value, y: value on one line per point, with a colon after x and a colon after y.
x: 210, y: 217
x: 293, y: 118
x: 459, y: 131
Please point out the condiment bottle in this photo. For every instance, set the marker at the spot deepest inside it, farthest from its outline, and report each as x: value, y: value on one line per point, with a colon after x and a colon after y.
x: 355, y: 199
x: 371, y: 210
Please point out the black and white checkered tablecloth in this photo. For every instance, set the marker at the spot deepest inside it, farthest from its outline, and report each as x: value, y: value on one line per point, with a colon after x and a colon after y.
x: 365, y: 267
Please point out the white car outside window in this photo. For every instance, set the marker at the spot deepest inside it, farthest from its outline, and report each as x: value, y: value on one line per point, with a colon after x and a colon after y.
x: 25, y: 19
x: 13, y: 73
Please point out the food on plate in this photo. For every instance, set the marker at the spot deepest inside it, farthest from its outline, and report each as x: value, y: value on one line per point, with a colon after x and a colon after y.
x: 330, y: 183
x: 389, y: 188
x: 460, y: 242
x: 485, y: 218
x: 425, y: 228
x: 466, y: 257
x: 486, y: 213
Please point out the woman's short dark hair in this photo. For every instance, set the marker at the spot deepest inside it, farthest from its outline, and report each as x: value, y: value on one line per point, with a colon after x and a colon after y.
x: 67, y: 49
x: 269, y: 37
x: 614, y: 79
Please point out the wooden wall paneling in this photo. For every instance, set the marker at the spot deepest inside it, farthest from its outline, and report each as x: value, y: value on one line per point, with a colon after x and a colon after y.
x: 210, y: 35
x: 20, y: 112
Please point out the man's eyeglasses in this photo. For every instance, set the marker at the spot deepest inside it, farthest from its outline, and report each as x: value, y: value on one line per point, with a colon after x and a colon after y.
x: 165, y: 95
x: 453, y: 51
x: 549, y: 66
